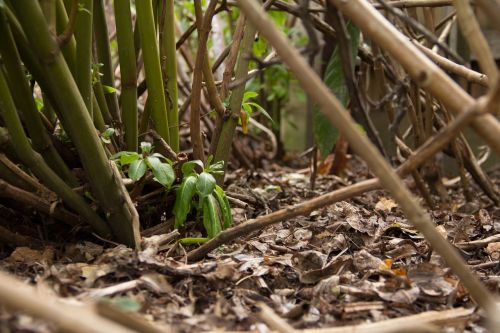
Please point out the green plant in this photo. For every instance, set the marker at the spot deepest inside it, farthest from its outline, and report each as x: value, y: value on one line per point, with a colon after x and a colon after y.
x: 200, y: 190
x: 325, y: 134
x: 139, y: 163
x: 248, y: 109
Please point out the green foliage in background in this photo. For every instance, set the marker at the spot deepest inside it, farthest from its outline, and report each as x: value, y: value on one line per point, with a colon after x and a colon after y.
x: 324, y: 133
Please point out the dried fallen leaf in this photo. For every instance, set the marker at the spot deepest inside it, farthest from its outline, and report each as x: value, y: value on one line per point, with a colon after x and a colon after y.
x: 385, y: 204
x: 493, y: 249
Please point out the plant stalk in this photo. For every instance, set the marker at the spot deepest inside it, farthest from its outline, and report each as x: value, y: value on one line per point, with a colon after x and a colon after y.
x: 104, y: 58
x: 128, y: 70
x: 35, y: 162
x: 23, y: 98
x: 83, y: 36
x: 105, y: 183
x: 236, y: 98
x: 169, y: 65
x: 156, y: 92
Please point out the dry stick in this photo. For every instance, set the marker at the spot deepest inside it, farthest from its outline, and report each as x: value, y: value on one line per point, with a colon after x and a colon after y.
x: 31, y: 199
x: 15, y: 240
x: 451, y: 16
x: 233, y: 56
x: 446, y: 32
x: 419, y: 322
x: 428, y: 35
x: 340, y: 118
x: 420, y: 68
x: 450, y: 66
x: 133, y: 321
x: 478, y: 243
x: 417, y: 3
x: 20, y: 297
x: 23, y: 175
x: 316, y: 21
x: 272, y: 320
x: 429, y: 321
x: 475, y: 38
x: 203, y: 25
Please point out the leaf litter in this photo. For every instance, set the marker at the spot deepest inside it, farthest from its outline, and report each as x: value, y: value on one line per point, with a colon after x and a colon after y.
x: 354, y: 262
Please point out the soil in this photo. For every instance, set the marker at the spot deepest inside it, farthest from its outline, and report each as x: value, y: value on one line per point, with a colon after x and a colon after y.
x: 353, y: 262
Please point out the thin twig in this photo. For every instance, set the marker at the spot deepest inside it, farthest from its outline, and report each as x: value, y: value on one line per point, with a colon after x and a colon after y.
x: 423, y: 30
x: 38, y: 203
x: 450, y: 66
x: 272, y: 320
x: 416, y: 3
x: 475, y: 38
x: 20, y: 297
x: 203, y: 23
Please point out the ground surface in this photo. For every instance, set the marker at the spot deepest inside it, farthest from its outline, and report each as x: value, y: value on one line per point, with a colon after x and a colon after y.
x: 354, y: 262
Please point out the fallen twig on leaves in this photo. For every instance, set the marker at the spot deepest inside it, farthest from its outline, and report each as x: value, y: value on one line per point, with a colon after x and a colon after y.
x: 18, y: 296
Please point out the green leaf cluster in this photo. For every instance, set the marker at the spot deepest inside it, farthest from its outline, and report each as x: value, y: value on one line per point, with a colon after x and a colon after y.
x: 199, y: 190
x: 139, y: 163
x: 248, y: 108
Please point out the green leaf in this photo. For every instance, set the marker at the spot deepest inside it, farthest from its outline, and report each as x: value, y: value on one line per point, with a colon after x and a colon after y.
x: 183, y: 198
x: 211, y: 220
x: 39, y: 103
x: 126, y: 157
x: 108, y: 89
x: 108, y: 132
x: 188, y: 167
x: 163, y: 172
x: 106, y: 135
x: 82, y: 9
x: 161, y: 157
x: 224, y: 206
x: 216, y: 169
x: 263, y: 111
x: 249, y: 94
x: 246, y: 107
x: 325, y: 134
x: 259, y: 47
x: 205, y: 184
x: 137, y: 169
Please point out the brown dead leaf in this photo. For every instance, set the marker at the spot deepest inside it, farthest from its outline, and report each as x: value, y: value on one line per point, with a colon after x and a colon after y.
x: 484, y: 219
x: 385, y: 204
x: 493, y: 249
x: 29, y: 256
x: 364, y: 261
x: 431, y: 281
x: 309, y: 260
